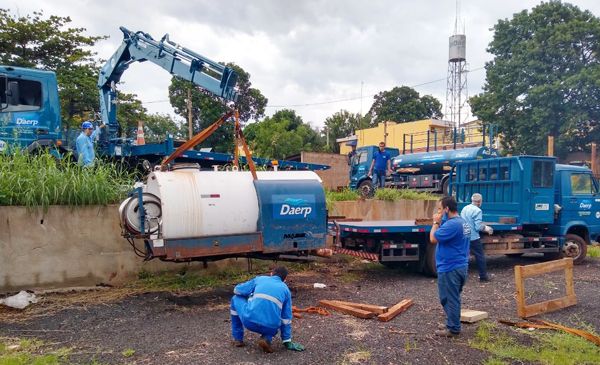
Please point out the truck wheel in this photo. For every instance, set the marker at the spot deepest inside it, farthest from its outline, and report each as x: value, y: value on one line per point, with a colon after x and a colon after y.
x: 366, y: 189
x: 445, y: 187
x: 575, y: 247
x: 428, y: 261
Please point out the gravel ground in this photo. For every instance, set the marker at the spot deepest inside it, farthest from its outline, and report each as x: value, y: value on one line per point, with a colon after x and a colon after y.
x: 194, y: 328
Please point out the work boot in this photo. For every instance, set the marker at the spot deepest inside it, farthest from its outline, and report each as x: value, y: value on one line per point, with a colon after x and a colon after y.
x: 237, y: 343
x: 442, y: 327
x: 446, y: 333
x: 485, y: 279
x: 265, y: 345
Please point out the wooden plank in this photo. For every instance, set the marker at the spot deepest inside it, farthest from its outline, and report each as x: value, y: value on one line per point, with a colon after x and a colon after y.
x: 395, y: 310
x: 546, y: 267
x: 379, y: 309
x: 569, y: 281
x: 472, y: 316
x: 347, y: 309
x: 549, y: 306
x: 520, y: 288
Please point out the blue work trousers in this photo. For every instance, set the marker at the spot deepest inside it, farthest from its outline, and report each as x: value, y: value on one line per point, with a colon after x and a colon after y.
x: 378, y: 179
x: 477, y: 251
x: 240, y: 320
x: 450, y: 285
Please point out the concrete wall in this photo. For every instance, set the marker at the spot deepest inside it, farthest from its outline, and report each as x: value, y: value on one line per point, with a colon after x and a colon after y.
x: 337, y: 175
x: 82, y: 246
x: 382, y: 210
x: 65, y: 247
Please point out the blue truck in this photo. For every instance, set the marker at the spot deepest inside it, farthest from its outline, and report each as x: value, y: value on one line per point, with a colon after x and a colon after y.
x: 425, y: 171
x: 30, y: 107
x: 533, y: 204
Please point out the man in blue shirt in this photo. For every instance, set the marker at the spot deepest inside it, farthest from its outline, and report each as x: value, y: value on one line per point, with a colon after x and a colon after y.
x: 380, y: 165
x: 473, y: 216
x: 452, y: 259
x: 85, y: 144
x: 263, y: 305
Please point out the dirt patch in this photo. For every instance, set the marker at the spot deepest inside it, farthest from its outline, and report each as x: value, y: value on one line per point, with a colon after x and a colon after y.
x: 194, y: 327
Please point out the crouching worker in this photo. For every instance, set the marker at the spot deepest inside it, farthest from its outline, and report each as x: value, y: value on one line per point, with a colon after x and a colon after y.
x: 263, y: 305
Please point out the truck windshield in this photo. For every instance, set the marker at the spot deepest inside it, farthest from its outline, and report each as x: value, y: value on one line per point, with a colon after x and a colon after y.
x: 3, y: 86
x: 28, y: 96
x: 581, y: 184
x: 360, y: 158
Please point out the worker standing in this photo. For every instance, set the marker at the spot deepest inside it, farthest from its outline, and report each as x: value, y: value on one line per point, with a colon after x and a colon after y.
x: 264, y: 305
x: 85, y: 144
x: 472, y: 214
x: 451, y: 256
x: 380, y: 166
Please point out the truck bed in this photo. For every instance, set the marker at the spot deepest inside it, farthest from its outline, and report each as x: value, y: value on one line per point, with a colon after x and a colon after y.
x: 400, y: 226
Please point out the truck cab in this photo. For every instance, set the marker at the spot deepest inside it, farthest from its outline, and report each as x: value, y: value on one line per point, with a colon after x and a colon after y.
x: 29, y: 108
x: 359, y: 168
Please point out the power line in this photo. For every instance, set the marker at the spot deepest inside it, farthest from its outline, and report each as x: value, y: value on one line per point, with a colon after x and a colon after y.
x: 358, y: 97
x: 331, y: 101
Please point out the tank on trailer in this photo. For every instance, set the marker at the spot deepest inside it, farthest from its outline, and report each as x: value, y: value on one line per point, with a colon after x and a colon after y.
x: 438, y: 162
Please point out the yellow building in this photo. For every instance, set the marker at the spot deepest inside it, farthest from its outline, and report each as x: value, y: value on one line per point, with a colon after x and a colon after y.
x: 415, y: 136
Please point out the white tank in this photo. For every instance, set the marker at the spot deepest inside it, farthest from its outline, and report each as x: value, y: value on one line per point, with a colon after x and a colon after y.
x: 458, y: 48
x: 209, y: 203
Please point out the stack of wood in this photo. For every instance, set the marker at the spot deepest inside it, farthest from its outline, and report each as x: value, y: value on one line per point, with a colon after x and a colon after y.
x: 362, y: 310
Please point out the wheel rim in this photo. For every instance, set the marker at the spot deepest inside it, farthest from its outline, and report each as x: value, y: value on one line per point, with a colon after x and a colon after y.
x: 366, y: 190
x: 572, y: 249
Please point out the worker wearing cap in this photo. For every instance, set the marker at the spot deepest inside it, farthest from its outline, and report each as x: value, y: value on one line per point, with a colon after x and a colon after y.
x: 85, y: 143
x: 264, y: 305
x: 472, y: 214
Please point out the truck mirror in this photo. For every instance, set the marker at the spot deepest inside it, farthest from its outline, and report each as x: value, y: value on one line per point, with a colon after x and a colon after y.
x: 12, y: 93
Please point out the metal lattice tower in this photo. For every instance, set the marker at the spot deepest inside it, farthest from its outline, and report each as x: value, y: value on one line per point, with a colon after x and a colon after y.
x: 457, y: 93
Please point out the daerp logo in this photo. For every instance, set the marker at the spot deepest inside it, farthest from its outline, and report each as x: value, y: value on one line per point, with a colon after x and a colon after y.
x: 295, y: 207
x: 585, y: 204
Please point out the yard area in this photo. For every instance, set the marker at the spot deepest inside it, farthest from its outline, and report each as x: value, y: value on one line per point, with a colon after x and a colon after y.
x: 162, y: 320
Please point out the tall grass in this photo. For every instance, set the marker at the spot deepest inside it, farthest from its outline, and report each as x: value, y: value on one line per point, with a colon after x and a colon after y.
x: 41, y: 180
x: 403, y: 194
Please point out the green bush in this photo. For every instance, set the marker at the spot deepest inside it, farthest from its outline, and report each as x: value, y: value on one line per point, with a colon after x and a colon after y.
x: 40, y: 180
x: 402, y: 194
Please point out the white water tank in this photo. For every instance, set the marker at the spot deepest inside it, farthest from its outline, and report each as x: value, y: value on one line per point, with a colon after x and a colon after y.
x: 209, y: 203
x: 458, y: 48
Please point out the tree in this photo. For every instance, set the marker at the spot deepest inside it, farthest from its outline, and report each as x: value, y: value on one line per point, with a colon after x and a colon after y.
x: 342, y: 124
x: 129, y: 112
x: 49, y: 44
x: 282, y: 135
x: 207, y: 108
x: 403, y: 104
x: 544, y: 79
x: 158, y: 126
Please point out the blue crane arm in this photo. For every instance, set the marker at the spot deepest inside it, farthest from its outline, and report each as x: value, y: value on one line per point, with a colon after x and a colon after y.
x: 179, y: 61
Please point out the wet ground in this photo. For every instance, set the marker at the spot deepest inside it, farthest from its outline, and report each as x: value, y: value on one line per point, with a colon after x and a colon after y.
x: 194, y: 327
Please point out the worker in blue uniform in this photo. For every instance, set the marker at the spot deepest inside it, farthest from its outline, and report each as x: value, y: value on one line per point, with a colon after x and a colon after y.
x: 380, y: 166
x: 264, y: 305
x: 85, y: 144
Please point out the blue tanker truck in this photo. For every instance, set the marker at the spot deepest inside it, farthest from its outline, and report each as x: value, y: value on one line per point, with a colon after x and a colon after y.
x: 426, y: 171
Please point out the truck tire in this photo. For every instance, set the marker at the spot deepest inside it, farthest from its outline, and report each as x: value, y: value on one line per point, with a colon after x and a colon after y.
x: 366, y: 189
x: 428, y: 261
x: 575, y: 247
x: 445, y: 184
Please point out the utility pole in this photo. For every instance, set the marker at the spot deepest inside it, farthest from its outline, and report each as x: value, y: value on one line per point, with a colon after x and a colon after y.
x: 189, y: 108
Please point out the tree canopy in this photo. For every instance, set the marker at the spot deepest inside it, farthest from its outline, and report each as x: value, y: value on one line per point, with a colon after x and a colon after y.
x: 342, y: 124
x: 544, y: 79
x: 404, y: 104
x: 207, y: 108
x: 50, y: 44
x: 282, y: 135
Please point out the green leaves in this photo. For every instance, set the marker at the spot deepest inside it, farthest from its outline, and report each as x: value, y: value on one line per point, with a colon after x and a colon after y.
x: 403, y: 104
x: 282, y: 135
x: 544, y: 79
x: 41, y: 180
x: 342, y: 124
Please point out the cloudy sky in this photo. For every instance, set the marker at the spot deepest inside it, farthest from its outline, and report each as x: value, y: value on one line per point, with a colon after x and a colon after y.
x: 312, y: 56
